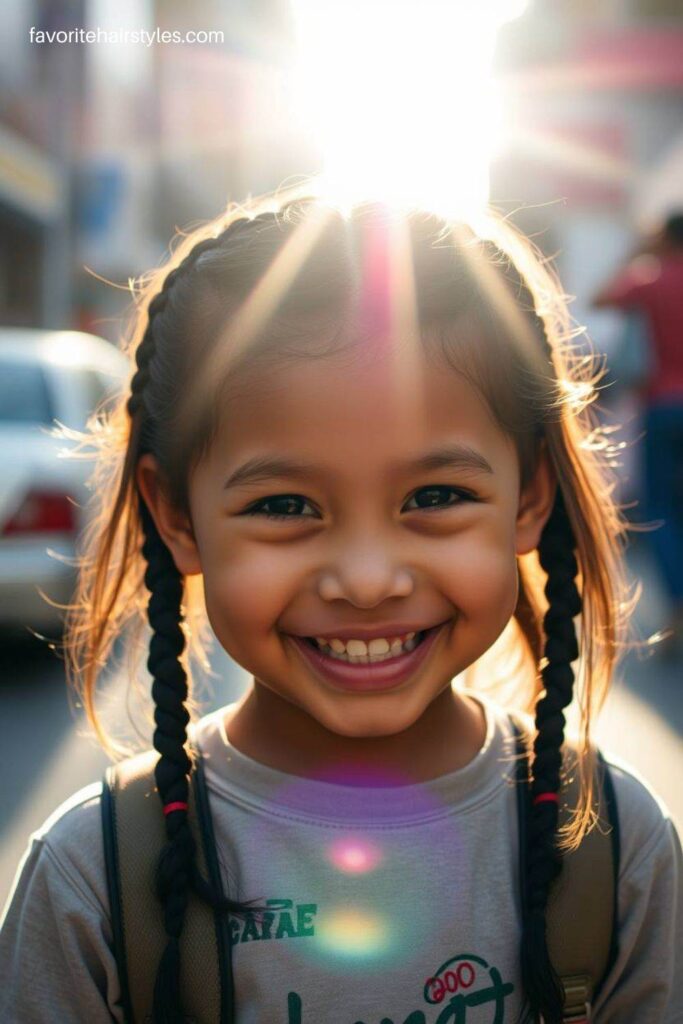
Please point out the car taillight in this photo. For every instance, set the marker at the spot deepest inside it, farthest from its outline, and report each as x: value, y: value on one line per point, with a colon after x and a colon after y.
x: 42, y: 512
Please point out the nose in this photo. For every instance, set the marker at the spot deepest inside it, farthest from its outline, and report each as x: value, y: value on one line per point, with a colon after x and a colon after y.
x: 366, y: 575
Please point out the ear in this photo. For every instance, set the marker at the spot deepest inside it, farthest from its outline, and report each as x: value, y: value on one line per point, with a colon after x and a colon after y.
x: 174, y: 526
x: 535, y: 503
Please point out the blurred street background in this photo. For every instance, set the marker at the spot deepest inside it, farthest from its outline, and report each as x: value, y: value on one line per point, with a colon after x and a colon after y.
x: 106, y: 148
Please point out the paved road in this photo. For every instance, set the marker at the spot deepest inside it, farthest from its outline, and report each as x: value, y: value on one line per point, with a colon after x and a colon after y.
x: 46, y: 756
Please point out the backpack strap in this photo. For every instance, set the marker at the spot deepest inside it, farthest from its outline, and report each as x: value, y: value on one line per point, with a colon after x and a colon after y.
x: 134, y: 834
x: 222, y: 922
x: 582, y: 906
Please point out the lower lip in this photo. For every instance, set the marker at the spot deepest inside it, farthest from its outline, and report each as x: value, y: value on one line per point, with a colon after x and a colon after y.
x: 381, y: 676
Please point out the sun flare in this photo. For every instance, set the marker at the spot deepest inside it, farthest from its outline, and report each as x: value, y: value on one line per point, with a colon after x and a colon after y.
x: 400, y: 98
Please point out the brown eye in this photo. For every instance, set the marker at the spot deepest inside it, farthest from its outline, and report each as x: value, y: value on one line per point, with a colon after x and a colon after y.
x: 281, y: 503
x: 436, y: 497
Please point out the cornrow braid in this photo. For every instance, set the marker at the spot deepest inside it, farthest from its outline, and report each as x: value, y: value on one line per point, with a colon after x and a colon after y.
x: 541, y: 984
x: 145, y: 350
x: 177, y: 870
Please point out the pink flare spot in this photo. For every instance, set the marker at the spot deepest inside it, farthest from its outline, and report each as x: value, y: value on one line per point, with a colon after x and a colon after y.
x: 355, y: 855
x: 375, y: 306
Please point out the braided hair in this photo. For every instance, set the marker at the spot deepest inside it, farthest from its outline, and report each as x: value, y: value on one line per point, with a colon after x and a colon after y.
x: 176, y: 871
x: 541, y: 984
x: 437, y: 295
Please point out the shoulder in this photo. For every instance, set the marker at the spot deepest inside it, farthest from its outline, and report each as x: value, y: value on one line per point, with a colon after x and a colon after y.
x: 72, y: 818
x: 643, y: 982
x: 647, y: 832
x: 69, y: 843
x: 55, y: 933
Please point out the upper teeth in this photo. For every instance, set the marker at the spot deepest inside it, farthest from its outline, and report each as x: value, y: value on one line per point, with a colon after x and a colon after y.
x: 358, y: 648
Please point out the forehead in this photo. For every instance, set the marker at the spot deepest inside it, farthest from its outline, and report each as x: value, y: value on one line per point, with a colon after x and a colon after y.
x: 372, y: 402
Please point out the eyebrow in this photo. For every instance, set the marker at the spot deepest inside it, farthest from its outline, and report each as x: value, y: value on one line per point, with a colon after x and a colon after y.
x: 448, y: 456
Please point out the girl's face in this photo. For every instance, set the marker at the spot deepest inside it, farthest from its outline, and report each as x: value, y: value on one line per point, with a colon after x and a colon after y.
x: 366, y: 536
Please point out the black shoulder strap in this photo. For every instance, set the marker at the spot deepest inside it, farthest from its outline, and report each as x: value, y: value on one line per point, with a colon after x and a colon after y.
x: 523, y: 799
x: 615, y: 835
x: 604, y: 954
x: 111, y: 861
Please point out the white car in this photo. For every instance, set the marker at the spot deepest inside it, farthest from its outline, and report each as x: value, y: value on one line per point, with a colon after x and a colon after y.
x: 45, y: 376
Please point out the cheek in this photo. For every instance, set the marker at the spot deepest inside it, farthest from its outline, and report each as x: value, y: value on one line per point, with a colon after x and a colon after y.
x: 480, y: 575
x: 245, y: 593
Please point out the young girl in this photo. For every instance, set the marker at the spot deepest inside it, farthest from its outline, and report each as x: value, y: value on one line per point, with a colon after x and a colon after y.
x: 360, y: 445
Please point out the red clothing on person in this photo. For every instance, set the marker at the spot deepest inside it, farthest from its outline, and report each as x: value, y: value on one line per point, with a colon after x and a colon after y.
x: 654, y: 286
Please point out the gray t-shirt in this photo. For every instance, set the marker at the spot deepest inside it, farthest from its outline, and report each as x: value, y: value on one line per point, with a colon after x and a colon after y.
x: 389, y: 904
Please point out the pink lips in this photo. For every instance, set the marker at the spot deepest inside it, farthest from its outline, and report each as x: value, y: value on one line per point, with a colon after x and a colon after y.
x: 380, y: 676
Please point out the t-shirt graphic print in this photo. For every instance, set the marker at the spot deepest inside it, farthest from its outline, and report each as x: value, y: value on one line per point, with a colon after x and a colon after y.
x: 452, y: 992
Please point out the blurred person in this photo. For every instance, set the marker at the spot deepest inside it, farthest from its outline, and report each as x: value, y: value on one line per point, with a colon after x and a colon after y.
x: 650, y: 286
x: 369, y: 497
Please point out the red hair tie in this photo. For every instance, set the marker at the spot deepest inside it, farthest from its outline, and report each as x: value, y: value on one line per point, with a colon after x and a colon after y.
x: 540, y: 797
x: 179, y: 805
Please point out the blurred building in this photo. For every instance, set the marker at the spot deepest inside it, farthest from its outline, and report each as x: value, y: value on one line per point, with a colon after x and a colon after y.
x: 593, y: 158
x: 594, y: 99
x: 226, y: 127
x: 173, y: 132
x: 39, y: 89
x: 110, y: 146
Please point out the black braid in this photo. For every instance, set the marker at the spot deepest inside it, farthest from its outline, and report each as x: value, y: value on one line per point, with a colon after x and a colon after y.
x: 541, y: 984
x: 177, y: 871
x: 169, y: 691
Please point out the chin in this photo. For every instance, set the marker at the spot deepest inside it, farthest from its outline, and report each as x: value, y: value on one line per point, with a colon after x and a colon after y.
x: 363, y: 723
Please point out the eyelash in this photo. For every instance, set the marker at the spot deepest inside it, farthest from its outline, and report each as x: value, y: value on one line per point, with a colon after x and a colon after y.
x: 257, y: 509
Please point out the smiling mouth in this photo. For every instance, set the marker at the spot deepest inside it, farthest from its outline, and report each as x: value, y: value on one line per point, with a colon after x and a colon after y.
x: 359, y: 674
x: 367, y: 659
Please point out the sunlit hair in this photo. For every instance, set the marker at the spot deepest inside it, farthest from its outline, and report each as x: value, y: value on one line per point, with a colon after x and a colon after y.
x: 281, y: 278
